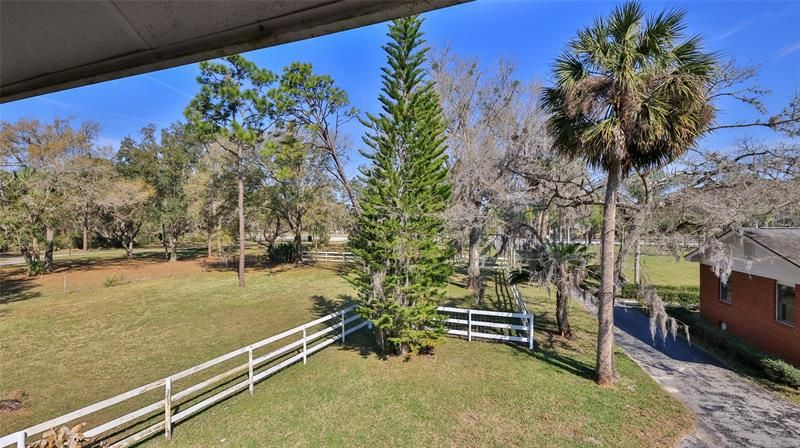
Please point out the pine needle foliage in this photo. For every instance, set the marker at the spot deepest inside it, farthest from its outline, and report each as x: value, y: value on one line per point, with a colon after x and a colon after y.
x: 404, y: 261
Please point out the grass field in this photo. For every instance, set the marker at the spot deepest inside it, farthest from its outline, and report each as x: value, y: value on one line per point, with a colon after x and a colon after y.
x: 68, y: 350
x: 666, y: 270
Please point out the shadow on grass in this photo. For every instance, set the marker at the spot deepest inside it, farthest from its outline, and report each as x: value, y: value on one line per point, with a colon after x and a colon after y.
x: 322, y: 306
x: 364, y: 343
x: 16, y: 288
x: 557, y: 360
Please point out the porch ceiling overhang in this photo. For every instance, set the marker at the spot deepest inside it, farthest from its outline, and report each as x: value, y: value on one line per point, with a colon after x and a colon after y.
x: 46, y: 46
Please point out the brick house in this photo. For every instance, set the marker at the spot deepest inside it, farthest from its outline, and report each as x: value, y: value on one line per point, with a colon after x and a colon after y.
x: 761, y: 298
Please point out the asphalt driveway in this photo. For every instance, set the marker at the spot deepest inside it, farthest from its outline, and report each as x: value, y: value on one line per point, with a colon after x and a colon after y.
x: 731, y: 410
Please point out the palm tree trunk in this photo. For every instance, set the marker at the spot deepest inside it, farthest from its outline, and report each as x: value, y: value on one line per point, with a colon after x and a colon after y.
x: 605, y: 313
x: 561, y: 313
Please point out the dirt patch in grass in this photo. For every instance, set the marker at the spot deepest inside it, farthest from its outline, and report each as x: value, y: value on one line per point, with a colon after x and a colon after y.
x: 12, y: 403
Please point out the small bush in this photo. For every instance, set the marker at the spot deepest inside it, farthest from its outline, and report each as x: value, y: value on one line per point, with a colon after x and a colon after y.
x: 36, y: 268
x: 781, y: 372
x: 114, y: 280
x: 282, y: 253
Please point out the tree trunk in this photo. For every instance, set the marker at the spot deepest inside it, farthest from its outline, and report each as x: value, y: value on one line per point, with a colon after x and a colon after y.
x: 637, y: 266
x: 562, y: 298
x: 173, y: 247
x: 26, y: 253
x: 86, y: 232
x: 129, y: 249
x: 210, y: 244
x: 164, y: 241
x: 240, y: 179
x: 220, y: 252
x: 339, y: 166
x: 35, y: 255
x: 48, y: 251
x: 474, y: 264
x: 605, y: 312
x: 544, y: 225
x: 298, y: 242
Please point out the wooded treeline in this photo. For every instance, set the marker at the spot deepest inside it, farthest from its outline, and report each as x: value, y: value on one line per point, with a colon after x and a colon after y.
x: 60, y: 188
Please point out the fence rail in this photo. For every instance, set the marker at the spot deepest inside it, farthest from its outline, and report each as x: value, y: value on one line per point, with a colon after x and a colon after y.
x: 305, y: 346
x: 523, y: 331
x: 334, y: 257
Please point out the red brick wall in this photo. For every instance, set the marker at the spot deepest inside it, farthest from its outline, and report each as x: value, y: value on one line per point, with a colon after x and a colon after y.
x: 751, y: 313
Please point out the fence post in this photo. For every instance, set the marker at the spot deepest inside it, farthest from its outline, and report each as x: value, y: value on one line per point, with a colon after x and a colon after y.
x: 469, y: 325
x: 530, y: 331
x: 343, y: 327
x: 304, y: 345
x: 168, y: 408
x: 21, y: 436
x: 250, y: 369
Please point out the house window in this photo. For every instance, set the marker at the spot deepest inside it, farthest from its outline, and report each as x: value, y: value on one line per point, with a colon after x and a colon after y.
x: 725, y: 293
x: 784, y: 303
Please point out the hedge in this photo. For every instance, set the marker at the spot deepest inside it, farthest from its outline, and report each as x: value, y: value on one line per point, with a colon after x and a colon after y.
x: 686, y: 296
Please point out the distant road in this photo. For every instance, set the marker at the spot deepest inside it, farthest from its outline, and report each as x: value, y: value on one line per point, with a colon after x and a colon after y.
x: 19, y: 261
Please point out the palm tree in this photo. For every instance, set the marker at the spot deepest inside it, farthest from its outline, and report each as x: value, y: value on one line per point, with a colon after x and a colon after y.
x: 630, y: 95
x: 564, y: 266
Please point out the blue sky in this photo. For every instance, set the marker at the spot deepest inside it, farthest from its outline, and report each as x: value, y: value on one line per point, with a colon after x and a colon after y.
x: 527, y: 33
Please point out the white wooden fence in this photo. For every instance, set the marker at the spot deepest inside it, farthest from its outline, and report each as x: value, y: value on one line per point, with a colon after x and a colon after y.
x: 476, y: 322
x: 333, y: 257
x: 469, y: 323
x: 309, y: 343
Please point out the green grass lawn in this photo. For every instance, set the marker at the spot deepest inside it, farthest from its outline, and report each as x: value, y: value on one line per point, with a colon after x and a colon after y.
x: 65, y: 351
x: 666, y: 270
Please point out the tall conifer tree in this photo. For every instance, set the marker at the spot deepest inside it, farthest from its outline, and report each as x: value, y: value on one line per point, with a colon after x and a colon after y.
x: 405, y: 261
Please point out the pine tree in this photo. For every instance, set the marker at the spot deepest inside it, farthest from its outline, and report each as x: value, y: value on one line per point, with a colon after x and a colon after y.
x: 405, y: 259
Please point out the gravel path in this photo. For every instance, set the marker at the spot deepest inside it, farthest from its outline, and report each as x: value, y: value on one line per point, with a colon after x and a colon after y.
x: 731, y: 410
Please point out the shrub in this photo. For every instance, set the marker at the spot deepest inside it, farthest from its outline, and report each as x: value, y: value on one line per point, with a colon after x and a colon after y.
x: 282, y: 252
x: 687, y: 296
x: 781, y: 372
x: 35, y: 268
x: 114, y: 280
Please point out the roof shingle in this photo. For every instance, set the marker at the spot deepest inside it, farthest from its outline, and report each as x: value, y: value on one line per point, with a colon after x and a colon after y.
x: 784, y: 241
